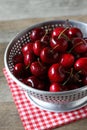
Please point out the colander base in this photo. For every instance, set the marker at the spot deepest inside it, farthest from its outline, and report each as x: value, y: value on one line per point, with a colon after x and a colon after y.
x: 65, y: 107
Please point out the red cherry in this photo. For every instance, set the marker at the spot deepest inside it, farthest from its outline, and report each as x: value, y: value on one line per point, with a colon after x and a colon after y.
x: 74, y: 32
x: 33, y: 82
x: 59, y: 31
x: 81, y: 65
x: 29, y: 58
x: 37, y: 47
x: 37, y: 34
x: 49, y: 56
x: 38, y: 69
x: 55, y: 73
x: 18, y: 70
x: 55, y: 87
x: 67, y: 60
x: 79, y: 45
x: 18, y: 59
x: 59, y: 45
x: 46, y: 39
x: 27, y: 47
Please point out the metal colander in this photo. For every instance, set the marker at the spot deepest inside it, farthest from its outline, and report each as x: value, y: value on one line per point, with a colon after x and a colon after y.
x: 56, y: 102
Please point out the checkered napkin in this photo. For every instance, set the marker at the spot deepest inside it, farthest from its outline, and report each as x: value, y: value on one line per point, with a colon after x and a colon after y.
x: 34, y: 118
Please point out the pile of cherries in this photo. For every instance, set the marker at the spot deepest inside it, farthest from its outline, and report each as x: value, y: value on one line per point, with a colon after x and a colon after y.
x: 53, y: 60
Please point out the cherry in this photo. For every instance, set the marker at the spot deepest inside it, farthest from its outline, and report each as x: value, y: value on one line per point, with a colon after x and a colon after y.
x: 59, y: 31
x: 72, y: 86
x: 37, y: 34
x: 59, y: 44
x: 33, y: 82
x: 37, y: 47
x: 18, y: 59
x: 38, y: 69
x: 18, y: 70
x: 67, y: 60
x: 49, y: 56
x: 55, y: 73
x: 79, y: 45
x: 29, y: 58
x: 81, y: 65
x: 84, y: 80
x: 55, y: 87
x: 27, y: 47
x: 74, y: 32
x: 46, y: 39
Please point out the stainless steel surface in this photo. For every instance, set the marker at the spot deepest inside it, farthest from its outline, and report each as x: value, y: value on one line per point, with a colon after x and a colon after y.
x: 51, y: 98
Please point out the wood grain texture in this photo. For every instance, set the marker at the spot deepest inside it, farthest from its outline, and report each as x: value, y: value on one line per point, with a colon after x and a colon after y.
x: 9, y: 117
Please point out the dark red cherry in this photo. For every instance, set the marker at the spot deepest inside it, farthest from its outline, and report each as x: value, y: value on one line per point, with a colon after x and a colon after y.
x: 49, y: 56
x: 33, y: 82
x: 37, y: 47
x: 55, y: 73
x: 27, y: 47
x: 67, y: 60
x: 37, y: 34
x: 79, y: 45
x: 18, y: 70
x: 84, y: 80
x: 72, y: 86
x: 45, y: 39
x: 18, y: 59
x: 55, y: 87
x: 59, y: 31
x: 74, y: 32
x: 29, y: 58
x: 81, y: 65
x: 38, y: 69
x: 59, y: 45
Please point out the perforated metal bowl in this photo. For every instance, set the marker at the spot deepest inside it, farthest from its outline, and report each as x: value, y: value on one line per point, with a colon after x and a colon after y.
x: 56, y: 102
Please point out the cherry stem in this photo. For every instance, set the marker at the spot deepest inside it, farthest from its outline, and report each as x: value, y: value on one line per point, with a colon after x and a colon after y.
x: 62, y: 33
x: 27, y: 66
x: 67, y: 23
x: 70, y: 76
x: 40, y: 63
x: 79, y: 43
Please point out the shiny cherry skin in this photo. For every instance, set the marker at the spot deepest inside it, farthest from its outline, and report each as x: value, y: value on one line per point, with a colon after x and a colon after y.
x: 33, y: 82
x: 38, y: 69
x: 18, y: 70
x: 55, y: 87
x: 74, y: 32
x: 18, y: 59
x: 59, y: 30
x: 67, y: 60
x: 79, y: 45
x: 37, y: 34
x: 49, y: 56
x: 37, y: 47
x: 81, y: 65
x: 55, y: 73
x: 59, y: 44
x: 27, y: 47
x: 29, y: 58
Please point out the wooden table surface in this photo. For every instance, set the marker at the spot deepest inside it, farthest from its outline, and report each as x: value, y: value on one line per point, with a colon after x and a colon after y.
x: 9, y: 118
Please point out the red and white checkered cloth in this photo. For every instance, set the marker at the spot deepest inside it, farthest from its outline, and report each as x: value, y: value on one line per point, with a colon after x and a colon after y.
x: 34, y: 118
